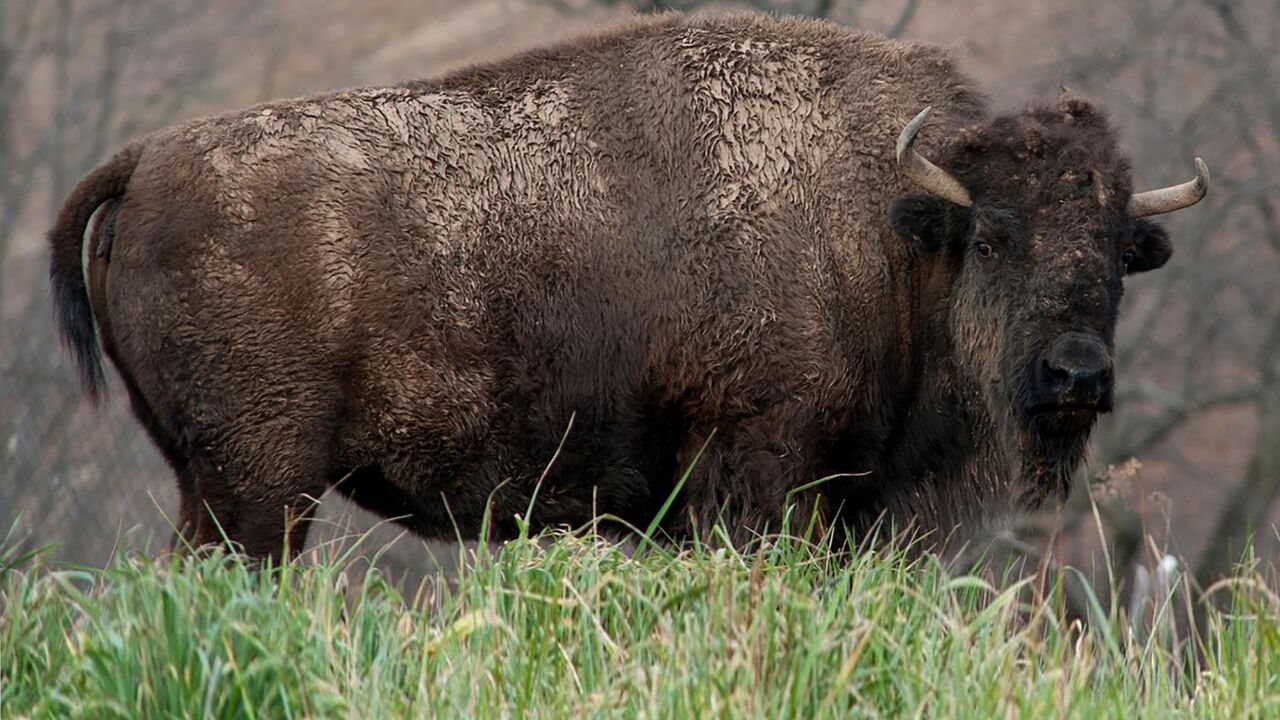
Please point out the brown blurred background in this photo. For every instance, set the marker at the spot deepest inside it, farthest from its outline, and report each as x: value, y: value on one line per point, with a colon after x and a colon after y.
x: 1199, y: 352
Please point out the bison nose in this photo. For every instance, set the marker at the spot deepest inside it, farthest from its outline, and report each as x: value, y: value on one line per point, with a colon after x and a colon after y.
x: 1076, y: 371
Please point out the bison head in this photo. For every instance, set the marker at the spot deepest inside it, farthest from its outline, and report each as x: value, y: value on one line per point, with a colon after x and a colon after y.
x: 1039, y: 224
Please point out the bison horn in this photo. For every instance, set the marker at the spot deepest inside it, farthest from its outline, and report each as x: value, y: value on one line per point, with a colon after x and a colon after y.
x: 1155, y: 202
x: 924, y: 173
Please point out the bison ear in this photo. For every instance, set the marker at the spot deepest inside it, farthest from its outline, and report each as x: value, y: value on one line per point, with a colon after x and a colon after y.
x: 1151, y: 247
x: 929, y: 222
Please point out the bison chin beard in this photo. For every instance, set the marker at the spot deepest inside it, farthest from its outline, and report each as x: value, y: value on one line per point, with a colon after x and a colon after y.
x: 1049, y: 460
x: 1044, y: 449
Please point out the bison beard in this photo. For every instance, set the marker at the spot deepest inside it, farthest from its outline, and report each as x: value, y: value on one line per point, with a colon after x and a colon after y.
x: 691, y: 235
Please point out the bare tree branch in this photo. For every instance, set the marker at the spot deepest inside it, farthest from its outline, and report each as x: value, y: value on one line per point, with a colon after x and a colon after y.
x: 904, y: 19
x: 1249, y: 502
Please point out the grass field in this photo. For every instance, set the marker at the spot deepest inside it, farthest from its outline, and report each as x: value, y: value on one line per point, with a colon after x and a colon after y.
x: 571, y: 627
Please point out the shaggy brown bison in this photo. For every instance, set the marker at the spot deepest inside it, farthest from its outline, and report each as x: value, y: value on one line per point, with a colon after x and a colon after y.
x: 688, y: 235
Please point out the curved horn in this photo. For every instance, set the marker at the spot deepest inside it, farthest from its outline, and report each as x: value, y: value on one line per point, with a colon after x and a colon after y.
x: 928, y: 176
x: 1155, y: 202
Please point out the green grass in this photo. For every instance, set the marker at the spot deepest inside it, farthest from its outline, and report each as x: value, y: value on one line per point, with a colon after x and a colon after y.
x: 571, y: 627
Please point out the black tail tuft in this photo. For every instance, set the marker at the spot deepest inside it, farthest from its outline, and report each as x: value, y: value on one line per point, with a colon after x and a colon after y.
x: 75, y: 318
x: 66, y: 271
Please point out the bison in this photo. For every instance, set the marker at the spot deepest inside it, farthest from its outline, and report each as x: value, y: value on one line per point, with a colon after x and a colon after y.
x: 703, y: 258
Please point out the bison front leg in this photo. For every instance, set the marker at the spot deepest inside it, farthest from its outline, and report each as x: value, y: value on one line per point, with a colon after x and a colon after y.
x: 742, y: 477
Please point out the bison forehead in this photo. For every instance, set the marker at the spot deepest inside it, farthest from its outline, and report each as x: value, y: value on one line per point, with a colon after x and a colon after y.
x: 1070, y: 275
x: 1061, y: 162
x: 1063, y: 187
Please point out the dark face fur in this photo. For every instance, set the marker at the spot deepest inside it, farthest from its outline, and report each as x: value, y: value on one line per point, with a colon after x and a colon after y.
x: 1040, y: 259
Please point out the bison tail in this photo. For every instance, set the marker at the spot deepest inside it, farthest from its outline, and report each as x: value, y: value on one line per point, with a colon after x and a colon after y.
x: 66, y: 271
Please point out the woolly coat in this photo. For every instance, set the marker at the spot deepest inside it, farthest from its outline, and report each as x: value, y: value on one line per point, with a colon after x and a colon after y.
x: 658, y: 247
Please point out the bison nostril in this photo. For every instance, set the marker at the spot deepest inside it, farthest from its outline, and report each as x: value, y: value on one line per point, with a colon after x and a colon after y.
x: 1056, y: 378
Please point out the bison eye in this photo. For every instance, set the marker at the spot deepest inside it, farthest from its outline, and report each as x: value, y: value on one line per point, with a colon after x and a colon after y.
x: 984, y: 249
x: 1127, y: 257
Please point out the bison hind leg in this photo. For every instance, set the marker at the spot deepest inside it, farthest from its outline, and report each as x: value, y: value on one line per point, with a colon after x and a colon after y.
x: 169, y: 438
x: 256, y: 490
x: 262, y: 506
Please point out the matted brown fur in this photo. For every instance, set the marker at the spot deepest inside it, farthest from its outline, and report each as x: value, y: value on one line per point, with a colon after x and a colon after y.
x: 673, y: 233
